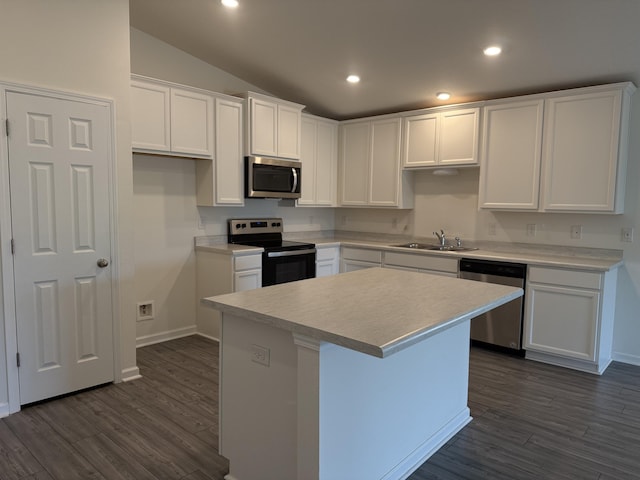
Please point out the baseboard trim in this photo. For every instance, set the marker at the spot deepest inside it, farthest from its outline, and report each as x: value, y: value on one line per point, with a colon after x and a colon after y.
x: 627, y: 358
x: 129, y: 374
x: 421, y: 454
x: 4, y: 410
x: 165, y: 336
x: 208, y: 337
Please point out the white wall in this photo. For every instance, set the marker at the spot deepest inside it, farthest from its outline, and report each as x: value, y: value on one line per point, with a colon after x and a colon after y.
x: 167, y: 219
x: 80, y: 47
x: 450, y: 203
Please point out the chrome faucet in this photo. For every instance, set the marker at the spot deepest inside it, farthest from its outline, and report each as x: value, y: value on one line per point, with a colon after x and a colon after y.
x: 441, y: 238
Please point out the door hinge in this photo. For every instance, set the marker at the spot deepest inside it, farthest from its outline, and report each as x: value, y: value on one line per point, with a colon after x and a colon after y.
x: 6, y: 126
x: 18, y: 359
x: 13, y: 247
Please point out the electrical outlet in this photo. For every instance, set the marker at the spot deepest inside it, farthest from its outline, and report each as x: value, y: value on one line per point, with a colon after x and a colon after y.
x: 394, y: 223
x: 576, y: 232
x: 531, y: 229
x: 145, y: 311
x: 260, y: 354
x: 627, y: 234
x: 491, y: 229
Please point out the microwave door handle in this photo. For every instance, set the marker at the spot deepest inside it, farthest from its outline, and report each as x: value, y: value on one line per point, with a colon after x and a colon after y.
x: 295, y: 179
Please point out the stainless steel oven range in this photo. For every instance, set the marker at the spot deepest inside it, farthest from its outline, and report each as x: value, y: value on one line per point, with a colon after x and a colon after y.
x: 282, y: 261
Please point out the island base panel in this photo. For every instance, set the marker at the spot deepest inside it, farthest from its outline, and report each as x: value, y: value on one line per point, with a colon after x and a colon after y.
x: 320, y: 411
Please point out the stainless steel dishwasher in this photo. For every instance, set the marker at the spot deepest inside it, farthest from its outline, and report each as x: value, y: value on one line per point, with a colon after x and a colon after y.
x: 502, y: 326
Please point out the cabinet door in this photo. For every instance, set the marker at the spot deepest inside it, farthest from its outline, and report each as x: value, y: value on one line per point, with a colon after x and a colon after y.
x: 561, y: 320
x: 421, y: 140
x: 458, y: 139
x: 150, y: 113
x: 384, y: 170
x: 308, y: 152
x: 355, y: 152
x: 288, y: 132
x: 263, y: 128
x: 191, y: 123
x: 326, y: 164
x: 510, y: 159
x: 327, y: 261
x: 247, y: 280
x: 580, y: 153
x: 229, y: 168
x: 326, y: 268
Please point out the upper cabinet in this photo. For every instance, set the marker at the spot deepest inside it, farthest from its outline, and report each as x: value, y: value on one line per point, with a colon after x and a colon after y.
x: 511, y: 145
x: 319, y: 158
x: 273, y: 127
x: 170, y: 120
x: 370, y: 169
x: 563, y: 151
x: 441, y: 138
x: 584, y: 153
x: 221, y: 182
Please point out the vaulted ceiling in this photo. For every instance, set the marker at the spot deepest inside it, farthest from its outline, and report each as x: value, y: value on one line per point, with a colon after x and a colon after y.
x: 405, y: 51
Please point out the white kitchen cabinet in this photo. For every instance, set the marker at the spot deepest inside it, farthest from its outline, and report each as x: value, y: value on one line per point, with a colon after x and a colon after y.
x: 273, y: 127
x: 562, y: 151
x: 150, y: 117
x: 441, y: 138
x: 370, y: 173
x: 221, y: 182
x: 170, y: 119
x: 327, y: 260
x: 319, y: 158
x: 359, y: 258
x: 584, y: 151
x: 219, y: 273
x: 511, y: 152
x: 434, y: 264
x: 569, y: 317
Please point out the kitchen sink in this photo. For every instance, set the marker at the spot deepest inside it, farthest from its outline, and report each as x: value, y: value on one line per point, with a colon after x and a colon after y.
x: 426, y: 246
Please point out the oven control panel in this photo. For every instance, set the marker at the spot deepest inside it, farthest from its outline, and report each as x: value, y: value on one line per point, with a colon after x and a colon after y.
x: 241, y: 226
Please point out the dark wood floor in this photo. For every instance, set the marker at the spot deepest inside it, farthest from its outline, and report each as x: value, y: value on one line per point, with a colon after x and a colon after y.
x: 531, y: 421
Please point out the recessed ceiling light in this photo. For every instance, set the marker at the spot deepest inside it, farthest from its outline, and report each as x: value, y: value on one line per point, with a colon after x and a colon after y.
x: 353, y: 79
x: 492, y: 51
x: 230, y: 3
x: 443, y: 95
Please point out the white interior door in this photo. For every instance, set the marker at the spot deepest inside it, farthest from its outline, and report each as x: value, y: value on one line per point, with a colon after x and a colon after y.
x: 59, y: 154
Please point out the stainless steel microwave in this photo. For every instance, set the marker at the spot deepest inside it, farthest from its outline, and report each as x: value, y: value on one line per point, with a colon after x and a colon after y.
x: 271, y: 178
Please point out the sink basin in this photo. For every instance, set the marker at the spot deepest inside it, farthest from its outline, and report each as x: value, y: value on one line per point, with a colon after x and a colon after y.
x: 426, y: 246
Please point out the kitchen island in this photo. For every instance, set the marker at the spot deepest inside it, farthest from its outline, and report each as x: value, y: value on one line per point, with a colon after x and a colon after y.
x: 359, y: 375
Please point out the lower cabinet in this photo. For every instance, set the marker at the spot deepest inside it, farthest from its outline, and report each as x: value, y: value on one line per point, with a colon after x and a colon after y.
x: 327, y: 261
x: 218, y: 273
x: 437, y: 265
x: 569, y: 317
x: 359, y: 258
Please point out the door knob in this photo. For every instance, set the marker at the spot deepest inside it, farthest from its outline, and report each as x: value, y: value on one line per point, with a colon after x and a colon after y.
x: 103, y: 262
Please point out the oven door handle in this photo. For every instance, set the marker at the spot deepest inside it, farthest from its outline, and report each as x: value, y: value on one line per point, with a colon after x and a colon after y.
x: 291, y: 253
x: 295, y: 179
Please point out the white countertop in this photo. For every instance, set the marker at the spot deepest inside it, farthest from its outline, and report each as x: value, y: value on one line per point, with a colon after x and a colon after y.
x: 598, y: 260
x: 376, y: 311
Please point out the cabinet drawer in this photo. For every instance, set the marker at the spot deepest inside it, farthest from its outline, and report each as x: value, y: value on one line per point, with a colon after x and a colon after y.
x: 327, y: 253
x: 362, y: 255
x: 247, y: 262
x: 421, y: 261
x: 556, y: 276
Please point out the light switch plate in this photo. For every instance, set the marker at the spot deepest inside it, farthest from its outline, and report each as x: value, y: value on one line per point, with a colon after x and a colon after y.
x: 627, y: 234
